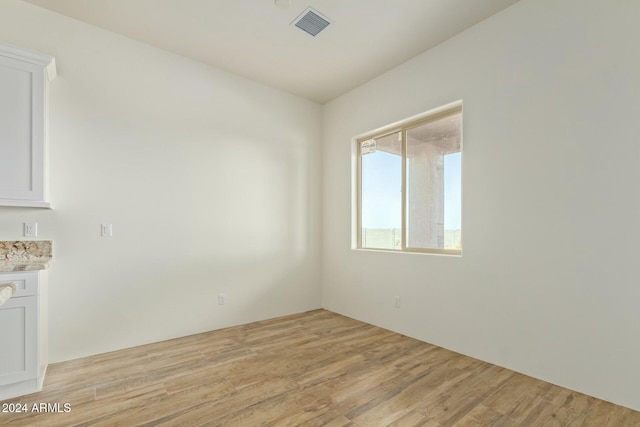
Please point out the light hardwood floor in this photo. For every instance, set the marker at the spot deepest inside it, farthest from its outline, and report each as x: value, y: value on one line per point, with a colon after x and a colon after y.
x: 316, y: 369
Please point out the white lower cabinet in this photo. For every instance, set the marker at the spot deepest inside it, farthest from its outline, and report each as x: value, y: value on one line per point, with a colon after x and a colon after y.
x: 23, y: 334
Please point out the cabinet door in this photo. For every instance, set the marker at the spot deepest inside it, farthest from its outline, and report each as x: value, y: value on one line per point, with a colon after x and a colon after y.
x: 21, y: 130
x: 18, y: 340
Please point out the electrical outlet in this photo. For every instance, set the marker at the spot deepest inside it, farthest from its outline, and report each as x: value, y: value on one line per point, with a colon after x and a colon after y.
x: 222, y: 298
x: 396, y: 302
x: 30, y: 229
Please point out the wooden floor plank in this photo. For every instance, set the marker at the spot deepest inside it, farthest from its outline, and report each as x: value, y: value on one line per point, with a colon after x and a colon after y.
x: 308, y: 369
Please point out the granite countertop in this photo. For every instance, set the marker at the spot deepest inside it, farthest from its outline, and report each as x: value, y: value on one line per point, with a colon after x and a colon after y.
x: 25, y: 255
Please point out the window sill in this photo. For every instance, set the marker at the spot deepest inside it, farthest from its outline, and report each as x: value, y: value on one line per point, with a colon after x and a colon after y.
x: 445, y: 252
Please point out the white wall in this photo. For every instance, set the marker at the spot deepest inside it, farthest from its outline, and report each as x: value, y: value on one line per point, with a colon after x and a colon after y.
x: 548, y: 283
x: 211, y: 181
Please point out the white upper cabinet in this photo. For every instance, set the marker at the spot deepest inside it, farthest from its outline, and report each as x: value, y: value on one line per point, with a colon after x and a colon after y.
x: 24, y: 79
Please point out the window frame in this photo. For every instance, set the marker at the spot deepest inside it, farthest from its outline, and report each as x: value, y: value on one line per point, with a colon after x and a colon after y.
x: 402, y: 128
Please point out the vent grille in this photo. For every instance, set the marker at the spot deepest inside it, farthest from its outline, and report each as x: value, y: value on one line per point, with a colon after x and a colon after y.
x: 311, y: 22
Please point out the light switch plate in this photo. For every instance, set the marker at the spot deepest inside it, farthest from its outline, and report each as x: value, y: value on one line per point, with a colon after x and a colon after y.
x: 106, y: 230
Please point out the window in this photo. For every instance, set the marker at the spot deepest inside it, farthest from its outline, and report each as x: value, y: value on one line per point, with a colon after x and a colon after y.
x: 410, y: 186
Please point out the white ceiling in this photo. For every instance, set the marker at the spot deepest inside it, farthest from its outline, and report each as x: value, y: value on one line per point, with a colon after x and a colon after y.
x: 254, y: 38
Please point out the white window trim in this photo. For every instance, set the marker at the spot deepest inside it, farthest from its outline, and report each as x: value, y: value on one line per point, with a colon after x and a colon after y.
x: 400, y: 126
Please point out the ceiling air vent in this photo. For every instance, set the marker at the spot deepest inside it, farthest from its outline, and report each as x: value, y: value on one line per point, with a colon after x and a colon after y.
x: 311, y: 22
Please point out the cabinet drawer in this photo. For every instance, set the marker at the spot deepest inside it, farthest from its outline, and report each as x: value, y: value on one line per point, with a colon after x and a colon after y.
x: 26, y: 282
